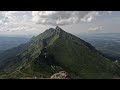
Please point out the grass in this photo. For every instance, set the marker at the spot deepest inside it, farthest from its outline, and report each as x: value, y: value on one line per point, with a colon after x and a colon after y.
x: 65, y: 52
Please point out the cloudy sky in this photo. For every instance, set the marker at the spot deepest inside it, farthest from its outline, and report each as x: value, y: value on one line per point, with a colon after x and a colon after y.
x: 35, y: 22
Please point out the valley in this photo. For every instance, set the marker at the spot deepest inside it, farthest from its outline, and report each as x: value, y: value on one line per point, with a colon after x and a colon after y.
x: 7, y: 42
x: 107, y: 43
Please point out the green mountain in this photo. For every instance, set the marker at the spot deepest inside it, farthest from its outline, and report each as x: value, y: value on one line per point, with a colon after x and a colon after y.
x: 53, y: 51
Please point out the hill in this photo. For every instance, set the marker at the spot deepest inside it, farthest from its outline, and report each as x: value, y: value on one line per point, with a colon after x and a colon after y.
x: 53, y: 51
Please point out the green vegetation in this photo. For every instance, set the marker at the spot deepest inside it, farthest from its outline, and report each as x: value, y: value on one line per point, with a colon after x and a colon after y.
x: 56, y: 50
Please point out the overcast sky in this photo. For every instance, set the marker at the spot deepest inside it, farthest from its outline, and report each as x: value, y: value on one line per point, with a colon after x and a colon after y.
x: 35, y: 22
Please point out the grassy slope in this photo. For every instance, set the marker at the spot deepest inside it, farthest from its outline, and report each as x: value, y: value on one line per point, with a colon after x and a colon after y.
x: 78, y: 60
x: 81, y: 62
x: 73, y: 55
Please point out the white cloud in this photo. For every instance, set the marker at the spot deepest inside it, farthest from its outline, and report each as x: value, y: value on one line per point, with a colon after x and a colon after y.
x: 15, y: 16
x: 13, y: 21
x: 65, y: 17
x: 49, y: 17
x: 97, y: 28
x: 90, y: 16
x: 57, y: 17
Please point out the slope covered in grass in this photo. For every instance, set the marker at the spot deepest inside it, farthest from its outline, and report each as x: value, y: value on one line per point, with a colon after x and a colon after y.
x: 56, y: 50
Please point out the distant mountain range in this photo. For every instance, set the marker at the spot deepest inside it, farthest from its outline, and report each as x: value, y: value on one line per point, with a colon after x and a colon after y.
x: 107, y: 43
x: 55, y: 51
x: 7, y: 42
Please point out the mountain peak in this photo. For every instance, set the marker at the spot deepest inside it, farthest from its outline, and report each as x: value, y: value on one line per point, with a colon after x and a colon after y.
x: 59, y: 52
x: 58, y: 28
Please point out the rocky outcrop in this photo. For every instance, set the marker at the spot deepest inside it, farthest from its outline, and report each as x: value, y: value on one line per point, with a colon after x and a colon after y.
x: 61, y: 75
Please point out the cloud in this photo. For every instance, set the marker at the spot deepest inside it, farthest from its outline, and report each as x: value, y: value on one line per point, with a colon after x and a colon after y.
x: 15, y: 16
x: 49, y: 17
x: 13, y: 21
x: 90, y: 16
x: 65, y: 17
x: 97, y: 28
x: 20, y: 28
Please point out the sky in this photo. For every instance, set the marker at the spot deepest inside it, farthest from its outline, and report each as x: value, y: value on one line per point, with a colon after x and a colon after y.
x: 29, y: 23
